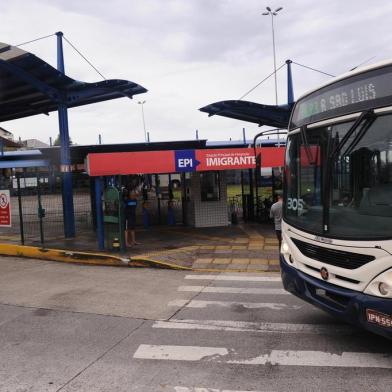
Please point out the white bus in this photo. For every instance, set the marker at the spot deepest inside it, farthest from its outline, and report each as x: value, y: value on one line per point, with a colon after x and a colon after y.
x: 337, y: 217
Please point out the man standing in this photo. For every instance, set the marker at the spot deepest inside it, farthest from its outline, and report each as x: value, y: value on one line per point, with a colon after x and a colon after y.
x: 276, y: 213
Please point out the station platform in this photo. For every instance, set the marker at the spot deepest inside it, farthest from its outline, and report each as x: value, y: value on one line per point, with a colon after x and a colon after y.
x: 237, y: 248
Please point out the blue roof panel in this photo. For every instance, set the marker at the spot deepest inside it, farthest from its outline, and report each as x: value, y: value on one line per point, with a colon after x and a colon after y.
x: 274, y: 116
x: 24, y: 163
x: 30, y: 86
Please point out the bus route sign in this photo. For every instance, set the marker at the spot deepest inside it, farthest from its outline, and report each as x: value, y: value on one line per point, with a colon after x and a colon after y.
x: 5, y: 208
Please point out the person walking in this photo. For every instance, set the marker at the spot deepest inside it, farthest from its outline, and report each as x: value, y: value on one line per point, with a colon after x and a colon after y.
x: 130, y: 217
x: 276, y: 214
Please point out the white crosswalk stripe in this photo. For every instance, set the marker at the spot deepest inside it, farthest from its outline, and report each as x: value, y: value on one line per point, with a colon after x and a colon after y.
x: 201, y: 389
x: 227, y: 304
x: 275, y: 357
x: 235, y: 278
x: 233, y: 290
x: 243, y: 326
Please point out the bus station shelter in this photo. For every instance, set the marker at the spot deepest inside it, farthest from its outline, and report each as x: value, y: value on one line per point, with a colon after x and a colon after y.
x: 31, y: 86
x: 203, y: 176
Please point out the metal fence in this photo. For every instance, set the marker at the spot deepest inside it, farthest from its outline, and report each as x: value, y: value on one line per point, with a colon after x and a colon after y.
x: 37, y: 207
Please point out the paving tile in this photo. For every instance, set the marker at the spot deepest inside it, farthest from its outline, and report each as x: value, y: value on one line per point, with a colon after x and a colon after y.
x: 218, y: 266
x: 239, y: 247
x: 210, y: 247
x: 204, y: 266
x: 271, y: 241
x: 221, y: 261
x: 271, y: 247
x: 273, y: 262
x: 222, y: 251
x: 257, y: 267
x: 204, y: 251
x: 206, y: 260
x: 240, y: 261
x: 241, y: 240
x: 238, y: 267
x: 258, y: 261
x: 256, y: 243
x: 220, y: 247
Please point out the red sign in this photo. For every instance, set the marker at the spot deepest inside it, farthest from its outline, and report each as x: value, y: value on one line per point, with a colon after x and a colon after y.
x: 5, y: 208
x: 154, y: 162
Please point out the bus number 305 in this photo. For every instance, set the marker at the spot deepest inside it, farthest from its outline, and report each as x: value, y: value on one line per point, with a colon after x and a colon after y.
x: 295, y: 204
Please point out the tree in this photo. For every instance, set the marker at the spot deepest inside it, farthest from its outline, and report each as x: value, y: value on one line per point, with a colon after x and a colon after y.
x: 57, y: 141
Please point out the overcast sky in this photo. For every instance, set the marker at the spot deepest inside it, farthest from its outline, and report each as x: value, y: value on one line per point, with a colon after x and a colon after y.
x: 189, y: 53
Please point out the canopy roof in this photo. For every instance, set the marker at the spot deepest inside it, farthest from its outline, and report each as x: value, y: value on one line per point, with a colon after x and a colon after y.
x: 274, y: 116
x: 22, y: 158
x: 30, y: 86
x: 8, y: 143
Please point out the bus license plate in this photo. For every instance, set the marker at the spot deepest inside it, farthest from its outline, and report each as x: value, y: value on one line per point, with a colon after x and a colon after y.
x: 381, y: 319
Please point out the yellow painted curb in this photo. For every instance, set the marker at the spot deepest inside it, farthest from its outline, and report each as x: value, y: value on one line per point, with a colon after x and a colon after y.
x: 61, y: 255
x: 75, y: 257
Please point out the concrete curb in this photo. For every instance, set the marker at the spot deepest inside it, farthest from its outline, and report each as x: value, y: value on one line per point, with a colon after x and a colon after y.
x: 65, y: 256
x: 90, y: 258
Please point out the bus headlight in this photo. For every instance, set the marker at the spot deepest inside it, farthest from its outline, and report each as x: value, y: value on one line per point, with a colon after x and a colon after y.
x: 381, y: 286
x: 285, y: 251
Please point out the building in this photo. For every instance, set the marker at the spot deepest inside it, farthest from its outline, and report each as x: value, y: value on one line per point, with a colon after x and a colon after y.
x: 6, y: 134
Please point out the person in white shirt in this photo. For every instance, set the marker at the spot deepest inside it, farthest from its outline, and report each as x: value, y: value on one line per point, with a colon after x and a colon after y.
x: 276, y: 214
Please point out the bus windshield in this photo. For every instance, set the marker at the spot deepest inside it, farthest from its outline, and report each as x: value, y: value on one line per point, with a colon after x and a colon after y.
x: 343, y: 195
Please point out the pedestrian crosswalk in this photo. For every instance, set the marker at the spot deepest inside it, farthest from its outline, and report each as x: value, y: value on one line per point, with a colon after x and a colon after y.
x: 247, y: 321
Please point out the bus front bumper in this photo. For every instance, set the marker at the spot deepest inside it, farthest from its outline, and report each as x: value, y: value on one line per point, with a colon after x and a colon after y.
x: 348, y: 305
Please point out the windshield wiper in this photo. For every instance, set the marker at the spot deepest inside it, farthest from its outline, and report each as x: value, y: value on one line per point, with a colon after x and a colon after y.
x: 365, y: 116
x: 308, y: 150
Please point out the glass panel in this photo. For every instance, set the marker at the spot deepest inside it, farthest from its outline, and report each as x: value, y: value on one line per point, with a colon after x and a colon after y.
x: 209, y: 184
x: 303, y: 176
x: 361, y: 202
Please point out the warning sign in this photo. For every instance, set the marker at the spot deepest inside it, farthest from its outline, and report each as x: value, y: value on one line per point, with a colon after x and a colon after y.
x: 5, y: 208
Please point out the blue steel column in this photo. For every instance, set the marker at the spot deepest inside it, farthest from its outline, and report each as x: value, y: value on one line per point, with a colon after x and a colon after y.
x: 290, y: 89
x: 99, y: 212
x: 65, y: 157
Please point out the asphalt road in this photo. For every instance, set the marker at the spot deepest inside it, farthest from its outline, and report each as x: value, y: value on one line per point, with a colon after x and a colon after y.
x: 82, y: 328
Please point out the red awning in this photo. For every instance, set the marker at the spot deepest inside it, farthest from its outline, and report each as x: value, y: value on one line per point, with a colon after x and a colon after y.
x: 180, y: 161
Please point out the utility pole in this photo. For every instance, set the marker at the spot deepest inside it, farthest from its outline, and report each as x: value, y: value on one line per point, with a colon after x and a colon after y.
x: 273, y: 13
x: 144, y: 122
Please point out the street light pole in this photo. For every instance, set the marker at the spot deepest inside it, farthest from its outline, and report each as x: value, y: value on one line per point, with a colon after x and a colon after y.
x: 144, y: 122
x: 273, y: 13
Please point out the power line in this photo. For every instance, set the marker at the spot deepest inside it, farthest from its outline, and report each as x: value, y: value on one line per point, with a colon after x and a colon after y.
x: 34, y: 40
x: 314, y: 69
x: 363, y: 62
x: 84, y: 58
x: 258, y: 84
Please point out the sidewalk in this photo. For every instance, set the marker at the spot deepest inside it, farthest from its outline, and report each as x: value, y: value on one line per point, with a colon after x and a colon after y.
x: 244, y: 247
